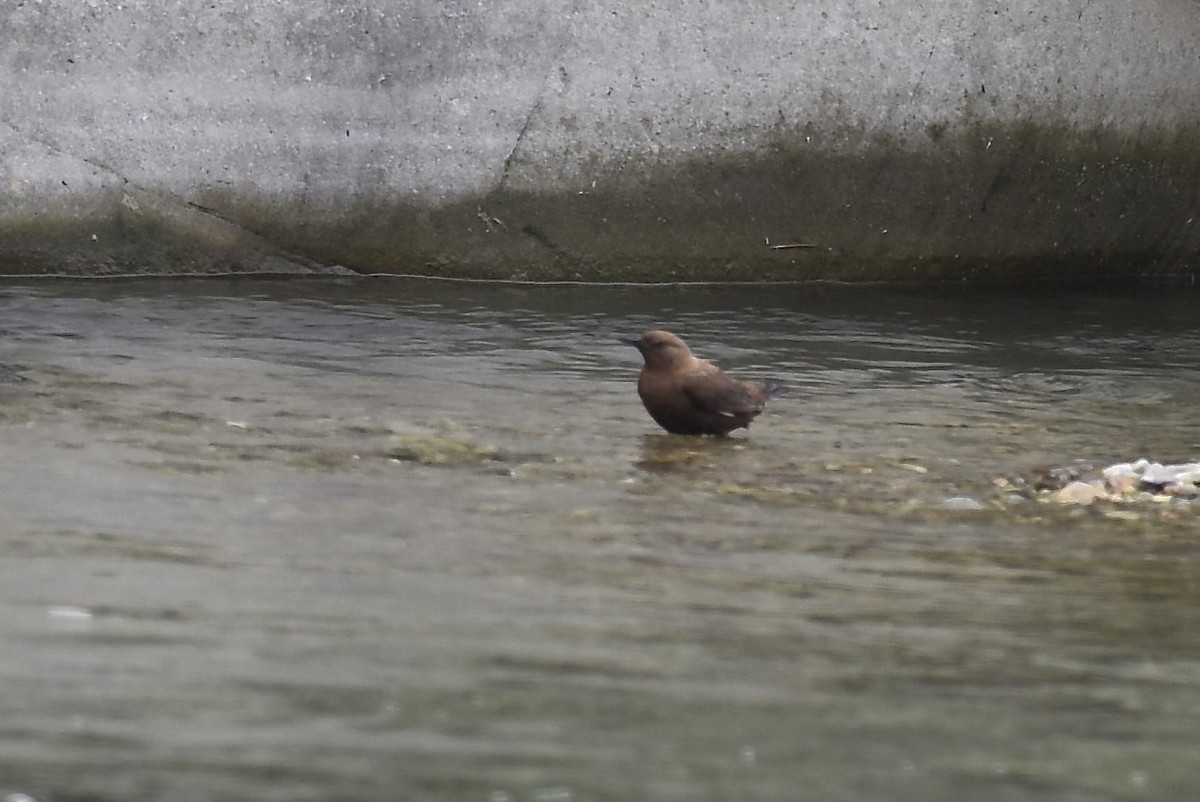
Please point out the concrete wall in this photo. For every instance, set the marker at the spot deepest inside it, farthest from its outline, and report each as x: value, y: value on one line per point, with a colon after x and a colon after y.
x: 659, y: 140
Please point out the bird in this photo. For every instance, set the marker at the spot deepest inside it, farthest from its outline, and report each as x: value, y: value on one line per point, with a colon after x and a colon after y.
x: 688, y: 395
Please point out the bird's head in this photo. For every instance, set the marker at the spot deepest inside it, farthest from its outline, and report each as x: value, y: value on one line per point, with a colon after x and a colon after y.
x: 661, y: 349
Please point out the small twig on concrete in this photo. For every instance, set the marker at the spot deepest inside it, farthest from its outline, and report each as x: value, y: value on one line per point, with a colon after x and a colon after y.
x: 792, y: 246
x: 492, y: 223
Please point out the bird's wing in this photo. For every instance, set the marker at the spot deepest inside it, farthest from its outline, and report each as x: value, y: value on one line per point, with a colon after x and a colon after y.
x: 722, y: 394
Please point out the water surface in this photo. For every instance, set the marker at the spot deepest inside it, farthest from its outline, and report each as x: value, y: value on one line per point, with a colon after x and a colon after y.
x: 411, y: 540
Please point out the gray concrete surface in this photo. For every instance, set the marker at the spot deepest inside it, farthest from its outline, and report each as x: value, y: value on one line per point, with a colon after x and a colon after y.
x: 586, y: 140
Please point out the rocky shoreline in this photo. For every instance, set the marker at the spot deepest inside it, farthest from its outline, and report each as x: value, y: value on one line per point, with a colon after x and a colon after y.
x: 1121, y: 483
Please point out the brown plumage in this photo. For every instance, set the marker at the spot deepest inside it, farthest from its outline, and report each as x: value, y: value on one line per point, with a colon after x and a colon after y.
x: 687, y: 395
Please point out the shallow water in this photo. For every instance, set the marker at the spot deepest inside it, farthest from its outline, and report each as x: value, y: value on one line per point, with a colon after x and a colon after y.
x: 412, y: 540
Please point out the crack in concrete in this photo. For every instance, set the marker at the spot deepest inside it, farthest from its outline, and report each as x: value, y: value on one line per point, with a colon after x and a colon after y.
x: 506, y: 170
x: 921, y: 78
x: 554, y: 68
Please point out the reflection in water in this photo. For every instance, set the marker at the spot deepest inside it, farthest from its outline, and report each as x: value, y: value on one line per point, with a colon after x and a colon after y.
x: 415, y: 540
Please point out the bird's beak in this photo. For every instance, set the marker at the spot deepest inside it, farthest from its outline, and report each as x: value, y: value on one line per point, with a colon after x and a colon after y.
x: 636, y: 342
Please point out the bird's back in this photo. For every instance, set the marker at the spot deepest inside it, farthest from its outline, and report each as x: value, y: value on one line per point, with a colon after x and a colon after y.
x: 700, y: 400
x: 688, y: 395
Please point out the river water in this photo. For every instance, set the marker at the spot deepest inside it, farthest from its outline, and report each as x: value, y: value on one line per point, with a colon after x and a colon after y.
x: 406, y: 540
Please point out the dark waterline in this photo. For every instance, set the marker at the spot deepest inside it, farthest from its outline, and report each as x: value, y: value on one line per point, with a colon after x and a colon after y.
x: 402, y: 539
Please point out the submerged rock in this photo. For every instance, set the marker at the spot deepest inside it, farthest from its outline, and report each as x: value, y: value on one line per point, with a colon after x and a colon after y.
x: 1079, y: 493
x: 1059, y: 477
x: 963, y: 503
x: 439, y: 449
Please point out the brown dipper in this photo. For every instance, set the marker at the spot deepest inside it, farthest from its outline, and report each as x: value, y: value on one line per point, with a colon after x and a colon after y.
x: 686, y: 395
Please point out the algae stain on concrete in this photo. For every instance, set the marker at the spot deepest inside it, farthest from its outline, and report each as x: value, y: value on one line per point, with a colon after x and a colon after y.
x: 992, y: 203
x: 982, y: 202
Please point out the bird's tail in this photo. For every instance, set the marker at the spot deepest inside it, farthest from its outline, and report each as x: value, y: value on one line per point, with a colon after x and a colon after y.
x: 773, y: 389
